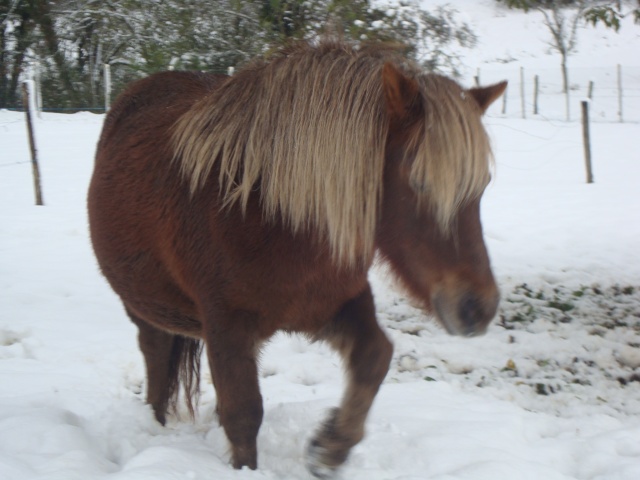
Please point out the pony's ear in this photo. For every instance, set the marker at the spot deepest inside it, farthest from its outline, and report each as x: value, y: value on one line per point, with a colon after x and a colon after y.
x: 485, y: 96
x: 400, y: 91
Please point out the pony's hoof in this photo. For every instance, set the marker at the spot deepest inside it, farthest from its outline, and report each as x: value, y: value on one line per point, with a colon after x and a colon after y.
x: 316, y: 458
x: 244, y: 457
x: 328, y: 450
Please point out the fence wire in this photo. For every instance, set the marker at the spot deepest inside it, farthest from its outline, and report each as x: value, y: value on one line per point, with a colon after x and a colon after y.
x: 614, y: 92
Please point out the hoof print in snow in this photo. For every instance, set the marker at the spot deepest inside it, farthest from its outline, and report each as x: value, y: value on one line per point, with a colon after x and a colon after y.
x: 13, y: 345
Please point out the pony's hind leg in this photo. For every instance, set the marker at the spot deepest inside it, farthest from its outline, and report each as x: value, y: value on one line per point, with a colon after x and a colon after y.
x: 367, y: 352
x: 162, y: 379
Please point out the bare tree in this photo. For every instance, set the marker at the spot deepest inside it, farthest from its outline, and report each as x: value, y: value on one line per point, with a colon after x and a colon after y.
x: 563, y: 24
x: 562, y: 18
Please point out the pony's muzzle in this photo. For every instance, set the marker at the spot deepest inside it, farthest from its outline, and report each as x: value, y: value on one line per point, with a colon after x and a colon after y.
x: 467, y: 314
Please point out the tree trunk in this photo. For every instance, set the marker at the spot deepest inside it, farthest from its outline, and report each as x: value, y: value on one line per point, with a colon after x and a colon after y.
x: 4, y: 71
x: 45, y: 20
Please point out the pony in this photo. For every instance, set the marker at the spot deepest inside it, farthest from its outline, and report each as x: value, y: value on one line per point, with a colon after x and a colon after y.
x: 225, y: 209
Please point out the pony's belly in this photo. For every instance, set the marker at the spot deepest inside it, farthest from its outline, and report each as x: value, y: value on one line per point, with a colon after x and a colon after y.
x: 147, y: 289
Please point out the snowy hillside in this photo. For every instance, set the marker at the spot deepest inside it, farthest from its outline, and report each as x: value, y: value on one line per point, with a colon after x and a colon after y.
x: 552, y: 391
x: 511, y: 40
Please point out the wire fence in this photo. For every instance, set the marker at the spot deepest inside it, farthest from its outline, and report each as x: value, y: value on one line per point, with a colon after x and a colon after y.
x: 104, y: 92
x: 613, y: 92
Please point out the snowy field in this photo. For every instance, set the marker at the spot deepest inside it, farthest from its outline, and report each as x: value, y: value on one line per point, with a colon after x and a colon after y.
x: 551, y: 392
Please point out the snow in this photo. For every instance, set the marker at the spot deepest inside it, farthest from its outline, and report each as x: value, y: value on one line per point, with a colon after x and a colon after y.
x: 552, y: 391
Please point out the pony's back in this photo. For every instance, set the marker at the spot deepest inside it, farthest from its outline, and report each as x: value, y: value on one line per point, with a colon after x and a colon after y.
x: 157, y: 98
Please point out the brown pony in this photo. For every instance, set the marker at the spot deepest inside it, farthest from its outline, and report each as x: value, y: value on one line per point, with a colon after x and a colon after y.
x: 224, y: 209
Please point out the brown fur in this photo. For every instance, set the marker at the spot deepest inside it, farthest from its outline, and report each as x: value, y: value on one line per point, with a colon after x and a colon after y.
x: 225, y: 209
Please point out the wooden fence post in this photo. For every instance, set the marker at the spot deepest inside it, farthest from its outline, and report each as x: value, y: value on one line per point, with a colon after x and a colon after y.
x: 586, y: 140
x: 620, y: 115
x: 37, y: 91
x: 32, y: 144
x: 536, y: 90
x: 568, y: 101
x: 524, y: 113
x: 107, y: 87
x: 590, y: 91
x: 504, y: 101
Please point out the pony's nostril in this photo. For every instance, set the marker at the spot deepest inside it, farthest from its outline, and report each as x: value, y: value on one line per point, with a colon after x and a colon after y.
x: 475, y: 314
x: 469, y: 309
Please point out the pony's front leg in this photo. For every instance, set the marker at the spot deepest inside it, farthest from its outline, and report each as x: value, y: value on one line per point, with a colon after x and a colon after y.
x: 231, y: 349
x: 367, y: 352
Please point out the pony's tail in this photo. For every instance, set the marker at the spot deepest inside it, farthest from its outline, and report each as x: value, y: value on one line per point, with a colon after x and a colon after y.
x: 184, y: 369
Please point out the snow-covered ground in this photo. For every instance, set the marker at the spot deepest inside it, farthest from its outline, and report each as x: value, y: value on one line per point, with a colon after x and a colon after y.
x: 552, y: 391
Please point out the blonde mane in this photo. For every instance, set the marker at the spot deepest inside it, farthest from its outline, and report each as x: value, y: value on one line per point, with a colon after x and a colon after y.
x: 308, y: 130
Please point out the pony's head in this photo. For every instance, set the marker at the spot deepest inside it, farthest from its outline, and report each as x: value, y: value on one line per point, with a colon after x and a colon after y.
x: 438, y: 161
